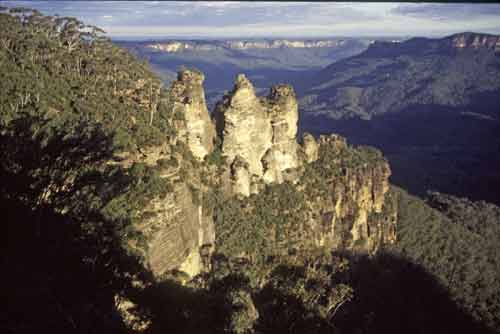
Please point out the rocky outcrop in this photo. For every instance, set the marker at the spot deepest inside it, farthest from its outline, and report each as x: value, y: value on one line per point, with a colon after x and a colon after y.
x: 469, y: 40
x: 182, y: 46
x: 261, y: 131
x: 177, y: 233
x: 310, y: 147
x: 345, y: 189
x: 356, y: 211
x: 188, y: 99
x: 282, y: 110
x: 244, y: 126
x: 240, y: 176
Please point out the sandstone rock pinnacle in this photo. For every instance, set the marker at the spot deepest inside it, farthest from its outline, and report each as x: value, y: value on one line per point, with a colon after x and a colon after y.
x: 261, y: 131
x: 188, y: 99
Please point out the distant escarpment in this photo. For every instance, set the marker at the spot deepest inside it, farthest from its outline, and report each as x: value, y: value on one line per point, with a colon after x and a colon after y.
x: 459, y: 71
x: 180, y: 46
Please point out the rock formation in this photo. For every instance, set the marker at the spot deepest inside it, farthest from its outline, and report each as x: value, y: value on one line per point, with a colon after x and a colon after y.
x: 244, y: 126
x: 355, y: 211
x: 358, y: 214
x: 475, y: 41
x: 177, y: 233
x: 310, y: 147
x: 261, y: 131
x: 188, y: 98
x: 258, y: 142
x: 283, y: 113
x: 178, y: 46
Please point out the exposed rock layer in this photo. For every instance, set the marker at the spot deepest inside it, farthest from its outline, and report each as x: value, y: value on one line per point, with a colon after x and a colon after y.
x: 261, y: 131
x: 178, y: 46
x: 356, y: 212
x: 258, y: 141
x: 188, y: 98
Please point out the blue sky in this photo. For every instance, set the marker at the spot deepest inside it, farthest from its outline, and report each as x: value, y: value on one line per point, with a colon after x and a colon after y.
x: 157, y: 19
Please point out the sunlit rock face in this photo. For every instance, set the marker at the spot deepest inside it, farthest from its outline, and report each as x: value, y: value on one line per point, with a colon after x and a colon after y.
x: 240, y: 176
x: 177, y: 233
x: 310, y: 147
x: 188, y: 99
x: 258, y: 140
x: 244, y: 126
x: 261, y: 131
x: 475, y: 41
x: 283, y: 113
x: 358, y: 213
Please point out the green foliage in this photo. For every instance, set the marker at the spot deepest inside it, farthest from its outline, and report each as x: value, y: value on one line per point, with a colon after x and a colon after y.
x: 168, y: 163
x: 63, y: 69
x: 260, y: 225
x: 336, y: 162
x: 461, y: 251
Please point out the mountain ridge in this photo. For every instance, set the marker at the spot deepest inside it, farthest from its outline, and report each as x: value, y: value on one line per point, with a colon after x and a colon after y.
x: 389, y: 77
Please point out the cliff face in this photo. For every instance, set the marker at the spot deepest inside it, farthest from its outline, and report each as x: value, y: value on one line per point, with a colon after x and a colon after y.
x: 349, y: 203
x: 177, y: 233
x: 282, y: 110
x: 188, y: 98
x: 181, y: 46
x: 359, y: 215
x: 344, y: 190
x: 259, y: 131
x: 475, y: 41
x: 242, y: 120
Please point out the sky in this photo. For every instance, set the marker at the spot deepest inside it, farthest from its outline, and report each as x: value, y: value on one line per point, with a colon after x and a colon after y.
x: 157, y: 19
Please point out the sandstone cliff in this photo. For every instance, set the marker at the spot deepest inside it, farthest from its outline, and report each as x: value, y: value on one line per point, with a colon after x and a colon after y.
x: 181, y: 46
x: 188, y: 99
x: 339, y: 194
x: 355, y: 212
x: 260, y: 131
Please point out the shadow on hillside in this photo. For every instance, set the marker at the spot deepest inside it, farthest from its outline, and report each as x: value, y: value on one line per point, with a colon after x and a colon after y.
x: 62, y: 270
x: 429, y: 148
x: 63, y: 262
x: 393, y: 295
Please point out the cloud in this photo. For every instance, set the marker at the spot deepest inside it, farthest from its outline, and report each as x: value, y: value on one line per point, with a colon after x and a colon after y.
x: 274, y: 18
x: 448, y: 11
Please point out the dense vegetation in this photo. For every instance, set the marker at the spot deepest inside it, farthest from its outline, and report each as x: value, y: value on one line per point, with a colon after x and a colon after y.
x: 458, y: 245
x: 71, y: 101
x: 72, y: 104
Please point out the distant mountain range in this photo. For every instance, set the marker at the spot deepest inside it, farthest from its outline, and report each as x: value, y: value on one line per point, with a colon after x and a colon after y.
x: 265, y: 62
x: 183, y: 45
x: 432, y: 106
x: 459, y: 71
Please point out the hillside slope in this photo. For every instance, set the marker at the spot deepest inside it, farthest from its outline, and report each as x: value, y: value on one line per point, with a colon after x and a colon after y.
x: 460, y: 71
x: 124, y: 207
x: 431, y: 105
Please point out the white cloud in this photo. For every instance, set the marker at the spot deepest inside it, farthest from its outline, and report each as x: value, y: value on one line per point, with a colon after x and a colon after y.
x: 276, y: 18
